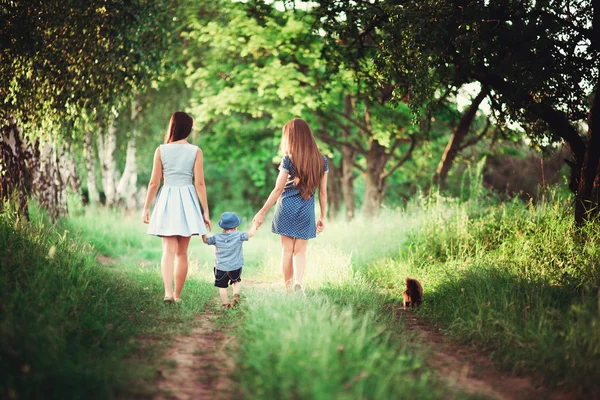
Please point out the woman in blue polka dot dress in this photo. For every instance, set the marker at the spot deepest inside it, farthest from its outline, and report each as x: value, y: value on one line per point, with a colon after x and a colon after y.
x: 302, y: 172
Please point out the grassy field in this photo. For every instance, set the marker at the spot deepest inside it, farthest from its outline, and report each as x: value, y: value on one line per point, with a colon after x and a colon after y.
x: 67, y: 323
x: 518, y: 280
x: 515, y: 279
x: 358, y: 353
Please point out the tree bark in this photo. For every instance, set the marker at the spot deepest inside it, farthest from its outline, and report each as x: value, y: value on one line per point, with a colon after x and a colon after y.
x: 348, y: 161
x: 377, y: 158
x: 90, y: 163
x: 49, y: 183
x: 127, y: 188
x: 586, y: 204
x: 458, y: 136
x: 334, y: 189
x: 15, y: 177
x: 107, y: 146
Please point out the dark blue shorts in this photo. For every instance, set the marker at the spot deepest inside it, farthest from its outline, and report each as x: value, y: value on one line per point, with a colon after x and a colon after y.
x: 225, y: 278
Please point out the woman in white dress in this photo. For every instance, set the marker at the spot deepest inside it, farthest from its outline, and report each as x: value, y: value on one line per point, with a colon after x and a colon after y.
x: 177, y: 215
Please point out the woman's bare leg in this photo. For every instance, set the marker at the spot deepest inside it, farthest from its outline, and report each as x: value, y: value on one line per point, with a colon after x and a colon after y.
x: 166, y: 264
x: 181, y: 264
x: 287, y: 254
x: 299, y: 259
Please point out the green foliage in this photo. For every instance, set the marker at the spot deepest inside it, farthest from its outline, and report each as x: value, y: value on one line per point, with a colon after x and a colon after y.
x: 518, y: 280
x: 528, y: 44
x: 64, y: 60
x: 66, y: 323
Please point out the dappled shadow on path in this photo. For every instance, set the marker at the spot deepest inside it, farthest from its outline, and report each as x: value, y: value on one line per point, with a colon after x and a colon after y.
x: 467, y: 369
x: 201, y: 365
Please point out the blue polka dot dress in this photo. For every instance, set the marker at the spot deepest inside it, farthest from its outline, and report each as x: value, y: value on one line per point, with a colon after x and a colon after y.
x: 294, y: 216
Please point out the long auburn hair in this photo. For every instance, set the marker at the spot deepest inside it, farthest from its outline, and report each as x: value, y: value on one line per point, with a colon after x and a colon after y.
x: 298, y: 142
x: 180, y: 127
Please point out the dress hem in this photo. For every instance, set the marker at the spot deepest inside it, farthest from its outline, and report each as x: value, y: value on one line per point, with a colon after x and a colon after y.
x: 175, y: 234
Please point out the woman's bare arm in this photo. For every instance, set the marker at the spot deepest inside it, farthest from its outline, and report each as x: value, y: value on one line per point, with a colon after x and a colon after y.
x: 153, y: 185
x: 201, y: 187
x: 272, y: 199
x: 322, y: 203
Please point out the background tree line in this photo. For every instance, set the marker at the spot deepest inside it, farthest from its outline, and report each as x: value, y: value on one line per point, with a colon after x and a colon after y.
x: 88, y: 91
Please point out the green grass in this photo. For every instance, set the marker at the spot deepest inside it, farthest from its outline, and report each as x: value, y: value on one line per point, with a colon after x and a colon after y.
x: 66, y: 323
x: 312, y: 348
x: 518, y: 280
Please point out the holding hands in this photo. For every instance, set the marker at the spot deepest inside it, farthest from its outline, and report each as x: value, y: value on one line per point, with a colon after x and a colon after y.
x: 207, y: 222
x: 146, y: 216
x: 259, y: 218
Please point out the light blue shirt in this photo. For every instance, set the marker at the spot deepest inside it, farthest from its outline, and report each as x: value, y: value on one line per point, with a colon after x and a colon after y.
x: 228, y: 253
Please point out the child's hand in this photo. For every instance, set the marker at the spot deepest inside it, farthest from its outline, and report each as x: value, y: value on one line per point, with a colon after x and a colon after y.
x: 145, y: 216
x: 320, y: 224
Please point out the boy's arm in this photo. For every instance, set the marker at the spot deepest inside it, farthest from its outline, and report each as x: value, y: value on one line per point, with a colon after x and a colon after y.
x: 209, y: 240
x: 253, y: 229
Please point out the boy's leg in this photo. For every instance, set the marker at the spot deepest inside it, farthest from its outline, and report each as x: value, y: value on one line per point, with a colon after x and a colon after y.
x: 287, y: 253
x: 224, y: 296
x: 166, y: 264
x: 181, y: 264
x: 237, y: 288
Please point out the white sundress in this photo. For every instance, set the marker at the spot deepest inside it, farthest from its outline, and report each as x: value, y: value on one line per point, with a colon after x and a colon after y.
x: 177, y: 211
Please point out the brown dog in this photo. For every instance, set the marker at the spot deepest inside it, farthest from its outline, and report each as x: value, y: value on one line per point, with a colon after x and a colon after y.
x: 413, y: 295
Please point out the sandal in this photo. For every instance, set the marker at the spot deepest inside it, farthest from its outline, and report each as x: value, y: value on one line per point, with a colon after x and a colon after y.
x: 177, y: 300
x: 236, y: 300
x: 168, y: 300
x: 227, y: 306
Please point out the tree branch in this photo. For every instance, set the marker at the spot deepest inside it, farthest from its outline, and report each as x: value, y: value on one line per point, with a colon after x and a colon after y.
x: 555, y: 119
x: 327, y: 138
x: 359, y: 167
x: 353, y: 146
x: 477, y: 138
x: 405, y: 157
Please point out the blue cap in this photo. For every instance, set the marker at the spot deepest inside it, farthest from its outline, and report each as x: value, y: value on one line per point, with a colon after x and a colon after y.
x: 229, y: 220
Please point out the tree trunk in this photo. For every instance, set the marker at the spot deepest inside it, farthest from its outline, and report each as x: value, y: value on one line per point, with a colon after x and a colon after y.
x: 90, y: 163
x: 586, y: 204
x: 49, y: 183
x: 127, y: 188
x: 458, y: 136
x: 334, y: 189
x: 68, y: 167
x: 374, y: 179
x: 107, y: 146
x: 348, y: 160
x: 15, y: 178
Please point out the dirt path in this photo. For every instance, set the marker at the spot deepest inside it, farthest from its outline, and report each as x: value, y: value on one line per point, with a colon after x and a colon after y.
x: 201, y: 362
x: 201, y: 365
x: 466, y: 369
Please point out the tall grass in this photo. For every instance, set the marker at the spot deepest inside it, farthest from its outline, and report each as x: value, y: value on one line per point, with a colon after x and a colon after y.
x: 66, y: 322
x: 520, y: 280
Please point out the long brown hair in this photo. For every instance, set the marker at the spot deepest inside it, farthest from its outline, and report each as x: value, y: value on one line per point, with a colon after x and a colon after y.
x: 298, y: 142
x: 180, y: 127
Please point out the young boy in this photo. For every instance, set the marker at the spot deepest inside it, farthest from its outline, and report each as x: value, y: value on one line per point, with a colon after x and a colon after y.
x: 229, y: 258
